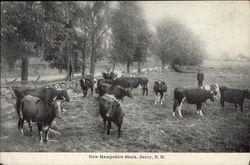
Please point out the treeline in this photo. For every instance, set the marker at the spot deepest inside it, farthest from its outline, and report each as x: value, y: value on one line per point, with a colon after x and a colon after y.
x: 67, y: 34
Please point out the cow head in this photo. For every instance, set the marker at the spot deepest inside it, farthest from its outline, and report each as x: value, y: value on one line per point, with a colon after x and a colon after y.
x: 211, y: 95
x: 116, y: 112
x: 64, y: 95
x: 104, y: 75
x: 112, y: 75
x: 129, y: 93
x: 161, y: 85
x: 57, y: 107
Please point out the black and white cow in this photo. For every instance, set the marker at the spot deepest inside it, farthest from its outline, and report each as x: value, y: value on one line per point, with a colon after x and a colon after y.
x: 87, y: 83
x: 192, y: 96
x: 160, y: 88
x: 45, y: 94
x: 33, y: 109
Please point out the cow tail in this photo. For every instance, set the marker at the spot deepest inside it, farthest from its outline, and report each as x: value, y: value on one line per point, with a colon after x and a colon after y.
x: 21, y: 110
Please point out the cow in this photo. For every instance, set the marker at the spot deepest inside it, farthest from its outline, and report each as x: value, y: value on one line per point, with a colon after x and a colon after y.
x: 33, y: 109
x: 192, y: 96
x: 236, y: 96
x: 116, y: 90
x: 134, y: 82
x: 119, y: 81
x: 87, y: 83
x: 100, y: 81
x: 111, y: 110
x: 109, y: 75
x: 127, y: 82
x: 144, y: 85
x: 160, y: 88
x: 45, y: 94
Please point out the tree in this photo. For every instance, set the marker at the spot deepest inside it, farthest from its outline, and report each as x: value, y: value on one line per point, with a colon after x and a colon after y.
x: 176, y: 45
x: 20, y: 27
x: 129, y: 34
x: 62, y: 43
x: 97, y: 15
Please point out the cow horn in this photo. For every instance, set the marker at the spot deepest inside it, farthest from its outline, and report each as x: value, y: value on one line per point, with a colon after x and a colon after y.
x: 54, y: 98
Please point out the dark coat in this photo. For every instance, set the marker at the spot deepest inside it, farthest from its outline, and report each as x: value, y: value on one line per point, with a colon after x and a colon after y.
x: 45, y: 94
x: 111, y: 111
x: 35, y: 110
x: 116, y: 90
x: 200, y: 76
x: 236, y: 96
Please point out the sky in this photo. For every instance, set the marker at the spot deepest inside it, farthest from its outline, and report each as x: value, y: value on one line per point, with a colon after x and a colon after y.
x: 224, y: 26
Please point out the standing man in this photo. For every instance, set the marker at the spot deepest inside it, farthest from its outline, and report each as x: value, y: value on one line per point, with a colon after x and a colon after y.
x: 200, y: 78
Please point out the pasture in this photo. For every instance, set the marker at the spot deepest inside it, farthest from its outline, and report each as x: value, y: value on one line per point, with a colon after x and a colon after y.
x: 146, y: 127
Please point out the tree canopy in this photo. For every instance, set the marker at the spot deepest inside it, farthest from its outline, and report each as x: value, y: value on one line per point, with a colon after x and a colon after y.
x: 130, y: 35
x: 175, y: 44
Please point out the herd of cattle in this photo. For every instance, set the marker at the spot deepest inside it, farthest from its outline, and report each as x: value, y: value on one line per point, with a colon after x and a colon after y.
x: 43, y: 105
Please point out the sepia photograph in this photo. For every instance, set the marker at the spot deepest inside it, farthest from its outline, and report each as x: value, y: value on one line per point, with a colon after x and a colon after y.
x: 125, y: 81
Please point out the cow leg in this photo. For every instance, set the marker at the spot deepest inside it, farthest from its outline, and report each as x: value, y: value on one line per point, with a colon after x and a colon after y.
x: 142, y: 89
x: 119, y: 131
x: 156, y: 97
x: 161, y: 97
x: 20, y: 122
x: 235, y: 107
x: 30, y: 127
x: 83, y: 93
x: 241, y: 107
x: 46, y: 133
x: 92, y: 89
x: 104, y: 122
x: 40, y: 131
x: 174, y: 107
x: 222, y: 103
x: 198, y: 106
x: 109, y: 126
x: 179, y: 107
x: 197, y: 109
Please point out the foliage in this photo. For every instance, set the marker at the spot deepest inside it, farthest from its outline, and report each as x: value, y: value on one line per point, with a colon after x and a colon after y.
x: 129, y: 33
x: 20, y: 29
x: 175, y: 44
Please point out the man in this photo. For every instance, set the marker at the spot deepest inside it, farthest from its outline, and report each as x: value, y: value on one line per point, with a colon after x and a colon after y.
x: 200, y: 78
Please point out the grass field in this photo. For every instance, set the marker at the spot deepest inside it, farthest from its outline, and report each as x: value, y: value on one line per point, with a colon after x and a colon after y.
x: 146, y: 127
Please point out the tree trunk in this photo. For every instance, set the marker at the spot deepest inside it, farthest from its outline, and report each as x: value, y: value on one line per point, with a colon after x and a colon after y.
x: 113, y: 67
x: 162, y: 65
x: 83, y: 63
x: 25, y: 69
x: 139, y: 68
x: 84, y: 58
x: 93, y: 55
x: 68, y: 66
x: 72, y: 66
x: 128, y: 67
